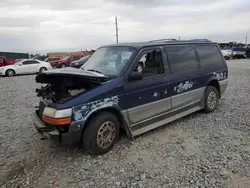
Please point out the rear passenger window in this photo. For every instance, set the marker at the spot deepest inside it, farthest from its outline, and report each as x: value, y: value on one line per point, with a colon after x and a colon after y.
x: 209, y: 55
x: 181, y: 58
x: 29, y: 62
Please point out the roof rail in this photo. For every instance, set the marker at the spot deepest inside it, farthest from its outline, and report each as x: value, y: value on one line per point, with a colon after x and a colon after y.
x: 201, y: 40
x: 162, y: 40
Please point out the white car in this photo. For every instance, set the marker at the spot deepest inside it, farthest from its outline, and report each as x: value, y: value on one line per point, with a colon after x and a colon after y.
x: 26, y: 66
x: 228, y: 54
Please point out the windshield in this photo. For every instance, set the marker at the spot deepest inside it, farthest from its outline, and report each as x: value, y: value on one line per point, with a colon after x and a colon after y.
x: 109, y: 60
x: 65, y: 58
x: 19, y: 61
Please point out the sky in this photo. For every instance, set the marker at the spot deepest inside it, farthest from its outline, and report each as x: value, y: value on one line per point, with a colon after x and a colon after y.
x: 41, y: 26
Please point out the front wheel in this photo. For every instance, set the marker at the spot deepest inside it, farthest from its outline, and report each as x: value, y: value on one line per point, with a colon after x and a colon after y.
x: 211, y: 99
x: 101, y: 133
x: 10, y: 72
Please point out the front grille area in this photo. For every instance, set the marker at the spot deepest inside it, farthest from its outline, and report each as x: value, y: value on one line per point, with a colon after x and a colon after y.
x: 41, y: 108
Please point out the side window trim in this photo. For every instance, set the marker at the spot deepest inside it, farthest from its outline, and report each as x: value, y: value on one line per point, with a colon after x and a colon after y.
x: 197, y: 56
x: 188, y: 45
x: 139, y: 56
x: 33, y: 62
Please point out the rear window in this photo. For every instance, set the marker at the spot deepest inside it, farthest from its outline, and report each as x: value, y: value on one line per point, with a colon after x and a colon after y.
x: 181, y: 58
x: 209, y: 55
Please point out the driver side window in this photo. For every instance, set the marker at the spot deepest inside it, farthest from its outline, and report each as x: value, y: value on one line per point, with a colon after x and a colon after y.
x: 150, y: 63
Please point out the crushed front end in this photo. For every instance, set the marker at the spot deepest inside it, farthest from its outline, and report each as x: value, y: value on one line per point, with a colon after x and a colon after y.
x: 61, y: 130
x: 50, y: 119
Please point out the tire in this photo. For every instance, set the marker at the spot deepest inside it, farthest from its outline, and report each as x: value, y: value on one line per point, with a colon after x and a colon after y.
x: 10, y: 72
x: 42, y: 69
x: 63, y: 65
x: 211, y: 99
x: 96, y: 128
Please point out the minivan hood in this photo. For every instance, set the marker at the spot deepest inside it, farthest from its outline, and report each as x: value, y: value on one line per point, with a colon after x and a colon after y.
x: 56, y: 75
x: 63, y: 84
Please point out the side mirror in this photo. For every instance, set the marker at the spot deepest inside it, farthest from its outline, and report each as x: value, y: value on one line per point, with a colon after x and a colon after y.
x: 20, y: 64
x: 135, y: 75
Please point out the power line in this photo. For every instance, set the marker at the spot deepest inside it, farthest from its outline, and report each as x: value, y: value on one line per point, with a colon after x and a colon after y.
x: 116, y: 29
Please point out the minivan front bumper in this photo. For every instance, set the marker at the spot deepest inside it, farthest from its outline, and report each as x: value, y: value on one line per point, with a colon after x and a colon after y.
x: 71, y: 137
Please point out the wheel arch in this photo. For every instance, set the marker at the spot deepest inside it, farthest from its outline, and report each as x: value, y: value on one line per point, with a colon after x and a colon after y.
x: 215, y: 83
x: 115, y: 111
x: 9, y: 69
x: 41, y: 67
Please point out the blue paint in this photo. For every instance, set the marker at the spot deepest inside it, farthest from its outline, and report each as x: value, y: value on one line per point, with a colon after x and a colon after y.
x: 122, y: 95
x: 81, y: 112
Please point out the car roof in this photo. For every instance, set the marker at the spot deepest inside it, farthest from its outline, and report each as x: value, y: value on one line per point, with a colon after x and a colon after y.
x: 31, y: 60
x: 162, y: 42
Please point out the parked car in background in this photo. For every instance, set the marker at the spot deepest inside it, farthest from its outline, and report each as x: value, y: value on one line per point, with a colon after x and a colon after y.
x: 228, y: 54
x: 27, y: 66
x: 80, y: 62
x: 10, y: 58
x: 108, y: 93
x: 239, y: 52
x: 65, y: 62
x: 5, y: 62
x: 53, y: 60
x: 248, y: 51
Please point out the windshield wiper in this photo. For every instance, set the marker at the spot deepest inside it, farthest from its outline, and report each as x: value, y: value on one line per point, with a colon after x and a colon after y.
x: 93, y: 70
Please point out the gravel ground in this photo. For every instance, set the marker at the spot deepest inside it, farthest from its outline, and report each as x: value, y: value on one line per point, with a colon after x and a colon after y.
x: 201, y: 150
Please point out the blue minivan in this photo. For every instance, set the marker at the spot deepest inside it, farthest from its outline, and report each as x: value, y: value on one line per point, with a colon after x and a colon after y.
x: 131, y: 86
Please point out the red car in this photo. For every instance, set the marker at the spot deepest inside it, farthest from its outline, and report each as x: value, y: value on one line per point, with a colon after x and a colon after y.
x: 4, y: 61
x: 64, y: 62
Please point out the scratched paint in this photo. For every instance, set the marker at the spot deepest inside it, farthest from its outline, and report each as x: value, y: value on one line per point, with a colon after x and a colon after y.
x: 81, y: 112
x: 183, y: 86
x: 155, y: 94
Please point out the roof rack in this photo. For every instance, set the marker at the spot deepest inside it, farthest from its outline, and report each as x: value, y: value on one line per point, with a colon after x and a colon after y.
x: 200, y: 40
x: 162, y: 40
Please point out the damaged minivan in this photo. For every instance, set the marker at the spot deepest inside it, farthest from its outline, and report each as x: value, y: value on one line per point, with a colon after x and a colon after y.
x: 113, y: 92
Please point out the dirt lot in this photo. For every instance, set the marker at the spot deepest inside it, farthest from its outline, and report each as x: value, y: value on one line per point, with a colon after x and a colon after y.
x: 201, y: 150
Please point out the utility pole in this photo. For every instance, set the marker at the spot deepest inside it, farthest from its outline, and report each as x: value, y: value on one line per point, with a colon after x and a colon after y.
x: 179, y: 38
x: 116, y: 29
x: 246, y: 39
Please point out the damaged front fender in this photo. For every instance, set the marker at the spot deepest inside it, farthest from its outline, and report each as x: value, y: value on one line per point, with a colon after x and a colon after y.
x: 82, y: 112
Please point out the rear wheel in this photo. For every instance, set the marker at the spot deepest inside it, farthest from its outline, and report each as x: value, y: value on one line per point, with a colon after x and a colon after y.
x: 211, y: 99
x: 101, y: 133
x: 42, y: 69
x: 10, y: 72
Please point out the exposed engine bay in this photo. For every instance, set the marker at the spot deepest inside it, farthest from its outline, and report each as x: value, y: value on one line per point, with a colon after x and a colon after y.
x: 63, y: 85
x: 58, y: 94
